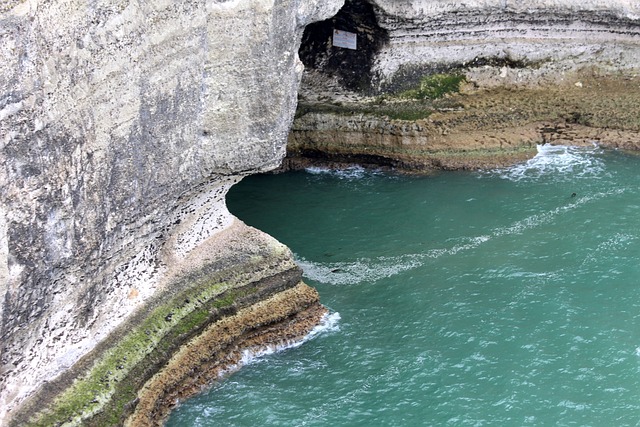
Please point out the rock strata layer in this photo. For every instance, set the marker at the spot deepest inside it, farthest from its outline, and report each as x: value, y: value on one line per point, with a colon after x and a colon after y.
x: 124, y: 123
x: 280, y: 320
x: 479, y: 128
x: 239, y: 291
x: 538, y: 40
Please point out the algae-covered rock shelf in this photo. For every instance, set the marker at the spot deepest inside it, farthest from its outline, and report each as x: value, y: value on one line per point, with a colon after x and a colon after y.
x: 246, y: 293
x: 468, y: 129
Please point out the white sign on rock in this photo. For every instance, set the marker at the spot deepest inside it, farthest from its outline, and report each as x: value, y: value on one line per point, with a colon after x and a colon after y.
x: 345, y: 39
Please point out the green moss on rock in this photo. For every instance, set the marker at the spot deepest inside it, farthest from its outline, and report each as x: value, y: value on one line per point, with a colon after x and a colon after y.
x: 106, y: 392
x: 435, y: 86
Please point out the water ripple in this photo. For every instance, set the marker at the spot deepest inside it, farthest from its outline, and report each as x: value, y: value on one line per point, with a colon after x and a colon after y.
x: 374, y: 269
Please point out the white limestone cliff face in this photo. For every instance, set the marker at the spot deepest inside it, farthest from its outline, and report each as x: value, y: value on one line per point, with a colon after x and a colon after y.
x: 123, y: 123
x: 507, y: 41
x: 413, y: 8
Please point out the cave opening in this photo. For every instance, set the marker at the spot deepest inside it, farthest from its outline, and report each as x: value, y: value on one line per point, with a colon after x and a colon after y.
x: 351, y: 67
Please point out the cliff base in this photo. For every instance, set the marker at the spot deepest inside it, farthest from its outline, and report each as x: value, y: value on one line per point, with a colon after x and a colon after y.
x: 240, y: 290
x: 471, y: 127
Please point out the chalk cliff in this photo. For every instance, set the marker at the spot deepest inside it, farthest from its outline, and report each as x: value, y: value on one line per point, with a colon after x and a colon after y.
x: 122, y: 126
x: 532, y: 38
x: 533, y: 71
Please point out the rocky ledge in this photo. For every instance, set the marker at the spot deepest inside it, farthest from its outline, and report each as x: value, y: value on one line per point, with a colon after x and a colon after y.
x: 243, y: 291
x: 123, y: 124
x: 475, y: 128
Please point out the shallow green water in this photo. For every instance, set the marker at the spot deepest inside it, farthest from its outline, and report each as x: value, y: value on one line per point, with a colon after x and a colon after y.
x: 493, y: 298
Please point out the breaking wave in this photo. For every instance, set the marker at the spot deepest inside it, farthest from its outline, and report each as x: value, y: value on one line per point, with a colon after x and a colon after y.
x: 561, y: 162
x: 330, y: 322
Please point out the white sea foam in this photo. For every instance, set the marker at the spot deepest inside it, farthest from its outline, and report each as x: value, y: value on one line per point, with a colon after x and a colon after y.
x: 561, y: 162
x: 352, y: 172
x: 374, y: 269
x: 558, y: 161
x: 546, y: 217
x: 361, y: 270
x: 573, y: 405
x: 471, y: 243
x: 330, y: 322
x: 616, y: 243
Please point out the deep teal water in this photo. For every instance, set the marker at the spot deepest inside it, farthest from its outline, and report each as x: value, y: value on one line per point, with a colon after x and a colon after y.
x: 480, y: 298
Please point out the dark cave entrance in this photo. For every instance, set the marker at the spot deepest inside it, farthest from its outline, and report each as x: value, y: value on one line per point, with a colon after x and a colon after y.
x: 351, y: 67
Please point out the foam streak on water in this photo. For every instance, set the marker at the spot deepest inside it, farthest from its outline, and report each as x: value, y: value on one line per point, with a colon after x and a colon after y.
x: 372, y: 270
x: 350, y: 173
x: 494, y: 298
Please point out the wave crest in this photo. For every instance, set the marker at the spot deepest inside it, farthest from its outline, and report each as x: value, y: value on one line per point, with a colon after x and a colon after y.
x: 561, y: 162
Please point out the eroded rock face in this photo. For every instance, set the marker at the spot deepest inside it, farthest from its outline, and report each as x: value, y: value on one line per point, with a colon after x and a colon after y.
x: 495, y: 42
x: 122, y: 125
x: 525, y: 41
x: 533, y: 71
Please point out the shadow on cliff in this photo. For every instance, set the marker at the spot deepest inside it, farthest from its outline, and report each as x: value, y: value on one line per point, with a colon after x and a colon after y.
x: 351, y: 67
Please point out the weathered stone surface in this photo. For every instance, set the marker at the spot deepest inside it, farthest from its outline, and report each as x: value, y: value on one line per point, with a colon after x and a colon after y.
x: 481, y: 128
x: 122, y: 125
x: 521, y: 42
x: 279, y: 320
x: 497, y: 42
x: 238, y: 271
x: 532, y: 67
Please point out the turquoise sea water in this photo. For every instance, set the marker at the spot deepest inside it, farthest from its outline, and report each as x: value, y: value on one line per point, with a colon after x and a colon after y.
x: 495, y: 298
